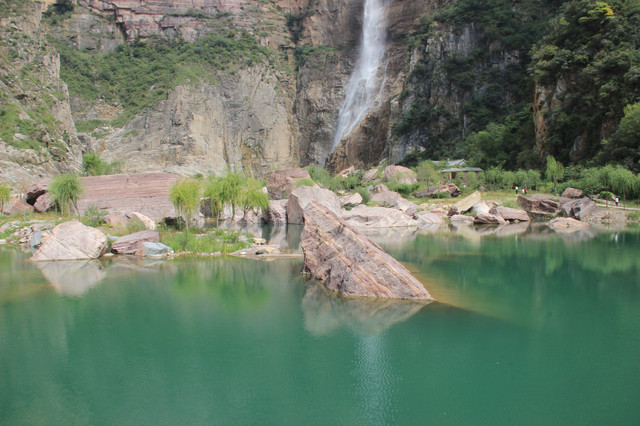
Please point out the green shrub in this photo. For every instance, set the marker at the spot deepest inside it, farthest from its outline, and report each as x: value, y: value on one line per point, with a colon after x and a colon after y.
x: 365, y: 194
x: 65, y: 191
x: 305, y: 182
x: 5, y: 195
x: 221, y: 240
x: 93, y: 216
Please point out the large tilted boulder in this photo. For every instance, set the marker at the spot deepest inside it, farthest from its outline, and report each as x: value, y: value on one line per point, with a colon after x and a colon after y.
x: 130, y: 244
x: 72, y: 240
x: 481, y: 207
x: 538, y: 207
x: 399, y: 174
x: 572, y: 193
x: 303, y: 195
x: 276, y: 213
x: 467, y: 202
x: 580, y: 208
x: 510, y: 214
x: 365, y: 217
x: 281, y: 183
x: 351, y: 263
x: 567, y: 224
x: 369, y: 176
x: 394, y: 200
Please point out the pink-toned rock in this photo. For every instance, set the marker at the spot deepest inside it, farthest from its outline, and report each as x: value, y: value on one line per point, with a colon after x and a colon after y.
x: 72, y: 240
x: 16, y: 206
x: 276, y: 213
x: 572, y: 193
x: 399, y: 174
x: 537, y: 206
x: 394, y: 200
x: 365, y: 217
x: 488, y: 218
x: 37, y: 189
x: 146, y: 221
x: 567, y: 224
x: 43, y: 203
x: 130, y: 244
x: 510, y: 214
x: 428, y: 218
x: 303, y: 195
x: 369, y: 176
x: 281, y: 183
x: 116, y: 220
x: 349, y: 262
x: 351, y: 200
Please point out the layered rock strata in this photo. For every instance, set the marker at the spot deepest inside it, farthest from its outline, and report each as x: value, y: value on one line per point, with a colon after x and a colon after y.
x: 350, y: 263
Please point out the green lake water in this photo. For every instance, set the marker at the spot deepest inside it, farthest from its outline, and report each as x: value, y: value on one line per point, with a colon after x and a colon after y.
x: 530, y: 328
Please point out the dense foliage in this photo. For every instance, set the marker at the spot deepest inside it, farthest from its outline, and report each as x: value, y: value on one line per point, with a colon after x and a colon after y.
x: 93, y: 165
x: 138, y: 75
x: 592, y: 54
x: 583, y: 53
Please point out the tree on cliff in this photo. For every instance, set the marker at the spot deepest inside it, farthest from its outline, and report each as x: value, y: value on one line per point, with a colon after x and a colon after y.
x: 5, y: 194
x: 65, y: 191
x: 185, y: 197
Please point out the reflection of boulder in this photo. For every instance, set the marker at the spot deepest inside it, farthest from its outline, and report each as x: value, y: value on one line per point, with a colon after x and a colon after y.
x: 512, y: 229
x: 72, y: 277
x: 325, y: 310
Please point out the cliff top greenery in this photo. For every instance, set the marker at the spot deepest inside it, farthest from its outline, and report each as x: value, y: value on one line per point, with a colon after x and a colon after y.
x: 139, y: 75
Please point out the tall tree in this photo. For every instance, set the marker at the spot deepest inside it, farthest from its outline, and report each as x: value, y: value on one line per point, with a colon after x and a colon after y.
x: 5, y: 194
x: 185, y: 196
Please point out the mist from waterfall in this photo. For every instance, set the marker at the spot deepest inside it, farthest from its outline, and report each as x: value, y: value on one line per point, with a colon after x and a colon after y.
x: 366, y: 80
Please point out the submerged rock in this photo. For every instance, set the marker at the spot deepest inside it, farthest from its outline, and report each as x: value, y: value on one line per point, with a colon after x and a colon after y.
x: 567, y: 224
x: 72, y: 240
x: 351, y: 263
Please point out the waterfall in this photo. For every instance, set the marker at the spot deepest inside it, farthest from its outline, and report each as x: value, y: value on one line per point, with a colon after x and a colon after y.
x: 366, y: 80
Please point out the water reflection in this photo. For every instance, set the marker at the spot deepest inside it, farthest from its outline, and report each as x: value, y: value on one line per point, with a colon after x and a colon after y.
x: 73, y: 277
x: 326, y: 311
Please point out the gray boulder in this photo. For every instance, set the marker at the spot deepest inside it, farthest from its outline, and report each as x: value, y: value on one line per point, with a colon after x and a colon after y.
x: 572, y: 193
x: 365, y: 217
x: 151, y: 249
x: 467, y: 202
x: 351, y: 200
x: 510, y: 214
x: 303, y: 195
x: 394, y: 200
x: 399, y: 174
x: 72, y: 240
x: 579, y: 209
x: 349, y: 262
x: 567, y: 225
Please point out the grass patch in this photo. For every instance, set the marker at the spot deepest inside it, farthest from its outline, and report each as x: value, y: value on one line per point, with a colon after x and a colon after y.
x: 220, y: 240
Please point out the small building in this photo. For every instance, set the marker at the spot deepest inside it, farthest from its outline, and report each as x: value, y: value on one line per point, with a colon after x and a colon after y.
x: 453, y: 171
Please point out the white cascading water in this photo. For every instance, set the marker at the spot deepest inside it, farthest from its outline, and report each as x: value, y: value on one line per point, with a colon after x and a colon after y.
x: 366, y: 80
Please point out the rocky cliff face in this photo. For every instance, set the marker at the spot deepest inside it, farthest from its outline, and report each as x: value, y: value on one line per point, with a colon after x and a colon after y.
x: 37, y: 133
x: 244, y: 123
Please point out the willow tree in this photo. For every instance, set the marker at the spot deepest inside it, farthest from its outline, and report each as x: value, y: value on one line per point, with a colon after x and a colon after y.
x: 230, y: 190
x: 555, y: 171
x: 5, y: 194
x: 623, y: 180
x: 214, y: 192
x: 252, y: 198
x: 185, y: 197
x: 65, y: 190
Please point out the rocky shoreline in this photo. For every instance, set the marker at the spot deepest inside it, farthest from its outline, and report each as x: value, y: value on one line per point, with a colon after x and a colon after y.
x: 314, y: 207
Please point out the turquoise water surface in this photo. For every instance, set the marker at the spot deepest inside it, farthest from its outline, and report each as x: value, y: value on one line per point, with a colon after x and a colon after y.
x: 530, y: 328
